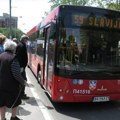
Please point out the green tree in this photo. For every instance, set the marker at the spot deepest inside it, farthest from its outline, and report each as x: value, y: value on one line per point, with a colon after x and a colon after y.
x: 114, y: 5
x: 15, y: 32
x: 111, y: 4
x: 68, y: 2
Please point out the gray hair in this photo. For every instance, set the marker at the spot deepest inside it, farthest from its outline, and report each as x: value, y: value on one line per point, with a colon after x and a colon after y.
x: 24, y: 37
x: 9, y: 45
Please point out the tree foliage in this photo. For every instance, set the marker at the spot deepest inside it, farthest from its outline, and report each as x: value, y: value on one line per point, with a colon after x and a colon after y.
x: 114, y: 5
x: 68, y: 2
x: 15, y: 32
x: 111, y: 4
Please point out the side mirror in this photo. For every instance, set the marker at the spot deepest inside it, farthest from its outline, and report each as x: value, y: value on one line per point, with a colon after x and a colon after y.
x: 52, y: 30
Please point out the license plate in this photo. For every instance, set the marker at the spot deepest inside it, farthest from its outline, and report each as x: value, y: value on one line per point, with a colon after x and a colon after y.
x: 101, y: 99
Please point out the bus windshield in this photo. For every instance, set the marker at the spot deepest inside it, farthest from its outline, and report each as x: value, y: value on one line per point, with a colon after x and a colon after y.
x: 81, y: 49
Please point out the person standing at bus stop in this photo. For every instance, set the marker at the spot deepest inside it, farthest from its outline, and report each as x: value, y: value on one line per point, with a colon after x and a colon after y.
x: 2, y: 40
x: 10, y: 81
x: 15, y: 40
x: 21, y: 54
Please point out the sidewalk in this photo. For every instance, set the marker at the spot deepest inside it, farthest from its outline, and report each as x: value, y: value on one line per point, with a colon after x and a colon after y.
x: 29, y: 109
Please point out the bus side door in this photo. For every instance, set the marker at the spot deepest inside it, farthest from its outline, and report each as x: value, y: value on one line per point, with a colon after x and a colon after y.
x: 49, y: 60
x: 46, y: 58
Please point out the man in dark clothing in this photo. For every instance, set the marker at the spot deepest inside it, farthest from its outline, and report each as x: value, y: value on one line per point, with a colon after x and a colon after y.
x: 21, y: 54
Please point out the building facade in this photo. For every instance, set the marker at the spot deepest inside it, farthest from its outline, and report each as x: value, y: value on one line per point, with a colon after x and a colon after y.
x: 5, y: 21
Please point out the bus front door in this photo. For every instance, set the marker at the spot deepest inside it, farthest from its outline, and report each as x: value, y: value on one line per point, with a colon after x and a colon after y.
x: 49, y: 60
x: 46, y: 60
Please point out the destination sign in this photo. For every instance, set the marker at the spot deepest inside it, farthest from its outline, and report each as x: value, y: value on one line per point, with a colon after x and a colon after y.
x: 95, y: 21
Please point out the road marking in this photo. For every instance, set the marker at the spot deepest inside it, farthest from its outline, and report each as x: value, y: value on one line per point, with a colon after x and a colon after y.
x: 43, y: 109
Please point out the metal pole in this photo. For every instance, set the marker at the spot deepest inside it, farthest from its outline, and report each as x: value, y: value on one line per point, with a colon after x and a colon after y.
x: 10, y: 19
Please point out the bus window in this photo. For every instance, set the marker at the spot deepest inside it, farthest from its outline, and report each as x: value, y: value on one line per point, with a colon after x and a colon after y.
x: 85, y: 47
x: 51, y: 58
x: 52, y: 30
x: 33, y: 47
x: 40, y: 47
x: 71, y: 47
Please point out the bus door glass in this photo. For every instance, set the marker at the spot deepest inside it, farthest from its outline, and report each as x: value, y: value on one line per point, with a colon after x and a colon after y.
x: 46, y: 59
x: 29, y: 52
x: 33, y: 47
x: 49, y: 58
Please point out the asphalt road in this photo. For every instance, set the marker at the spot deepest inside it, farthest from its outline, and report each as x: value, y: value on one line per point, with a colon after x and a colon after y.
x: 40, y: 107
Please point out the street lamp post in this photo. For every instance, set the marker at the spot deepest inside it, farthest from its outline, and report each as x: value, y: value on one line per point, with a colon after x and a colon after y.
x: 10, y: 19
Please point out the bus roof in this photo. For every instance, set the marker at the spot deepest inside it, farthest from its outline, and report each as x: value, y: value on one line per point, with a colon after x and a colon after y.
x: 34, y: 29
x: 52, y: 15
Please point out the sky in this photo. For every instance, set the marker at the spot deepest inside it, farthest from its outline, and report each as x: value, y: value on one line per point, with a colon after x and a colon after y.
x: 29, y: 12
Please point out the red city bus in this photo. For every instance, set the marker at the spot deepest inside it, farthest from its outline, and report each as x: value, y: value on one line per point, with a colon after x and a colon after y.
x: 75, y: 54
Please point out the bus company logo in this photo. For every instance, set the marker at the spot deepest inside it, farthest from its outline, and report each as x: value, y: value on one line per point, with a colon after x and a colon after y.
x: 92, y: 84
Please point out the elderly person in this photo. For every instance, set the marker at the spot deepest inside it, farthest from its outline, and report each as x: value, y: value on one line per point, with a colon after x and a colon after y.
x: 15, y: 40
x: 2, y: 40
x: 10, y: 80
x: 21, y: 54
